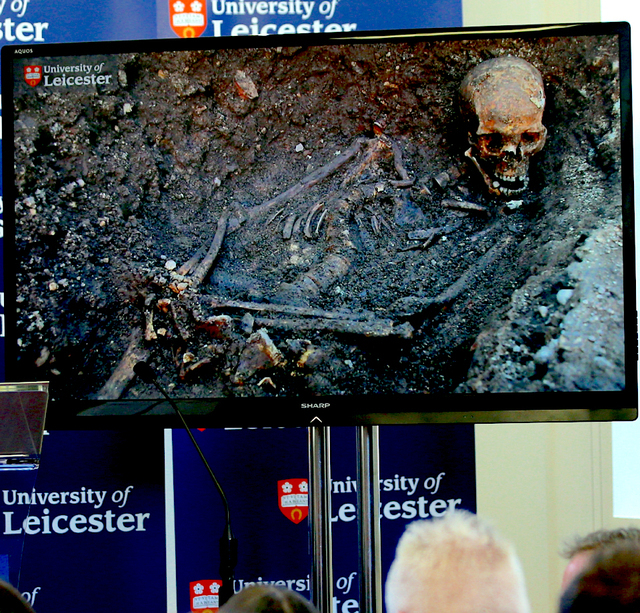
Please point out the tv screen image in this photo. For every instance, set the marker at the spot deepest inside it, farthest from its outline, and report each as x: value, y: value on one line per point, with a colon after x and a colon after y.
x: 342, y: 226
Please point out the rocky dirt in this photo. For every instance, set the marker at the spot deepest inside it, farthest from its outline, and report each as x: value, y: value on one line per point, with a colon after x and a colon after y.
x: 368, y: 276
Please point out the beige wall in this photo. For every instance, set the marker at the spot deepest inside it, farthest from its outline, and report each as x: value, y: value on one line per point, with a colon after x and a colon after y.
x: 511, y: 12
x: 542, y: 484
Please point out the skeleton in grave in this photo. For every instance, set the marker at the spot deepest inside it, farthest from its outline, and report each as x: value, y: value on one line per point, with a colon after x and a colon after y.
x: 502, y: 101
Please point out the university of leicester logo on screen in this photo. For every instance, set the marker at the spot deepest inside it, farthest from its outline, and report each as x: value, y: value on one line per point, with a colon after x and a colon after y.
x: 293, y: 499
x: 33, y: 75
x: 188, y: 18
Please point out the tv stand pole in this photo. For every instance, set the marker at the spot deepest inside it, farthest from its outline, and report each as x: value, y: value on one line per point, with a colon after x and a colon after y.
x: 320, y: 517
x: 368, y: 451
x: 368, y: 486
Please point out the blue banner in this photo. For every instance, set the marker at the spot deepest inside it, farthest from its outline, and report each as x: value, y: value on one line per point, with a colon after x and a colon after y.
x: 113, y: 519
x: 38, y: 21
x: 434, y: 472
x: 93, y: 525
x: 267, y: 17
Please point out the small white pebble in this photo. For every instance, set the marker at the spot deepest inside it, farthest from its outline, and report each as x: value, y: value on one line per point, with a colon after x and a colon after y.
x: 564, y: 295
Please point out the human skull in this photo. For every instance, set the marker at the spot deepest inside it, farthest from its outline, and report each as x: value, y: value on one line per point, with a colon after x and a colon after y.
x: 502, y: 100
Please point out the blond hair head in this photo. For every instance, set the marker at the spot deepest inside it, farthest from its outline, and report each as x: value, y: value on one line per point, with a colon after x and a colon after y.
x: 455, y: 564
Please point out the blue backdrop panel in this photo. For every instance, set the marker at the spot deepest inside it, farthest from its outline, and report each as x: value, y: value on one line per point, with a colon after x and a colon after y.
x: 425, y: 470
x: 248, y: 465
x: 12, y: 541
x: 93, y: 522
x: 38, y: 21
x: 95, y: 535
x: 264, y: 17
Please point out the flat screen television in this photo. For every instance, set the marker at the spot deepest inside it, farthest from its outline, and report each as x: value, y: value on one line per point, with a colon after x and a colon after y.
x: 355, y: 228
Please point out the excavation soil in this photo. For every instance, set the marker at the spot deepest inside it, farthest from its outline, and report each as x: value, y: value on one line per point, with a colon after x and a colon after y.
x: 361, y: 295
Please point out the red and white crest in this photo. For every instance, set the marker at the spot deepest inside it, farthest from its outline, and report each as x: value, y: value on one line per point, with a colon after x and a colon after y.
x: 33, y: 75
x: 204, y: 596
x: 293, y: 499
x: 188, y: 17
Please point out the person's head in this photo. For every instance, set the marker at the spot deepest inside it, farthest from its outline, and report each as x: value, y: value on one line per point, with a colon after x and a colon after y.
x: 581, y: 551
x: 267, y: 599
x: 455, y: 564
x: 11, y: 601
x: 610, y: 582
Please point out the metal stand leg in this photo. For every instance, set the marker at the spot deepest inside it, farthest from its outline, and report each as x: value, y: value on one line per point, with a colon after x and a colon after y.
x: 369, y: 518
x: 320, y: 514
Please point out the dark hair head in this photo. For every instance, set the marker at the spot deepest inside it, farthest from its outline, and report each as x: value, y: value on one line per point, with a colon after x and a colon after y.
x: 609, y: 584
x: 601, y: 538
x: 267, y: 599
x: 11, y: 601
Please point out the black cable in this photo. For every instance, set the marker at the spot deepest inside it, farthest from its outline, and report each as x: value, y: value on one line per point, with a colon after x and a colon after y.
x: 228, y: 543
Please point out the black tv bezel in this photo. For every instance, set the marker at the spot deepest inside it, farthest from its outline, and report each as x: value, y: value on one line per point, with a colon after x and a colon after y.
x: 352, y: 410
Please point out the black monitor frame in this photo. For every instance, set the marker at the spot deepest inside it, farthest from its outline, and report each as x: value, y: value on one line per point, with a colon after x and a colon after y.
x: 464, y: 401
